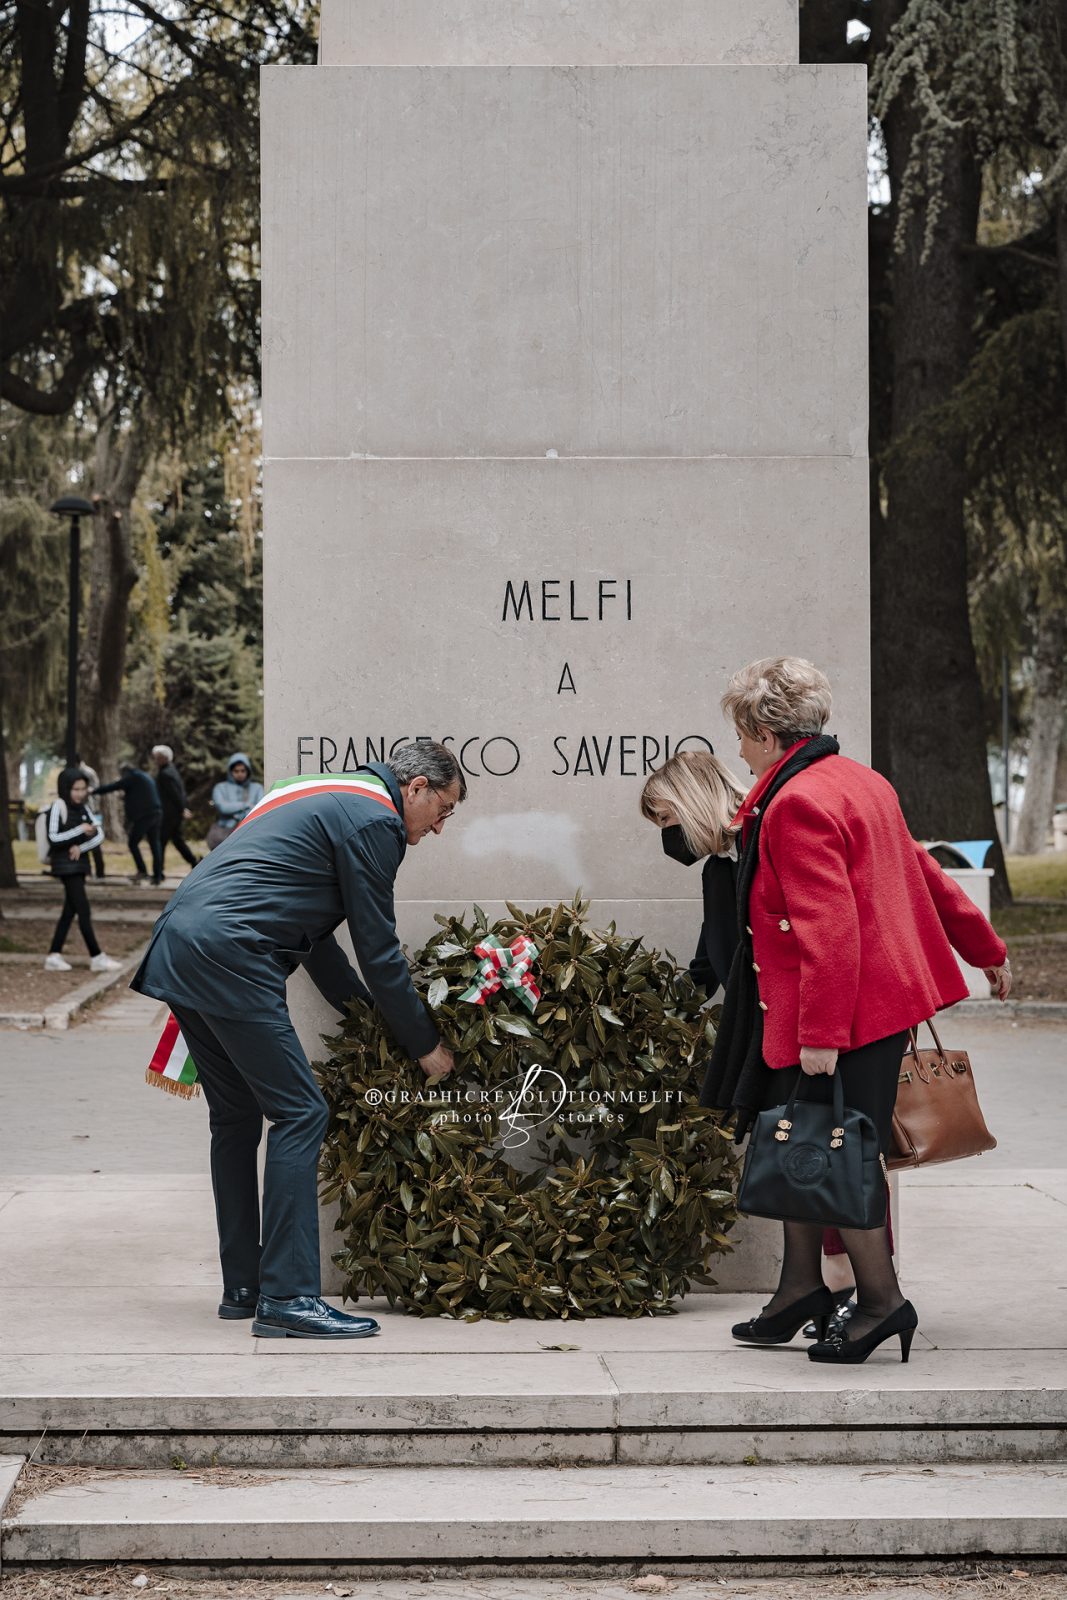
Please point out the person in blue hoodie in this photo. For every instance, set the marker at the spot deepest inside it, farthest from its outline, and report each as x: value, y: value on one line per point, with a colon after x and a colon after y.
x: 318, y: 851
x: 233, y: 798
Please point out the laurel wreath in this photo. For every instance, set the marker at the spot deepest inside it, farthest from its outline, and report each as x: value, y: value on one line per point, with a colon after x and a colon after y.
x: 565, y: 1168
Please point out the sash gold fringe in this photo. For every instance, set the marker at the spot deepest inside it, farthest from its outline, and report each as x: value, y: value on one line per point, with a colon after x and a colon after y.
x: 188, y: 1091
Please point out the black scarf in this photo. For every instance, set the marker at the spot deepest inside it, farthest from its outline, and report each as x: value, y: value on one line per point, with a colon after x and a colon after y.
x: 737, y: 1076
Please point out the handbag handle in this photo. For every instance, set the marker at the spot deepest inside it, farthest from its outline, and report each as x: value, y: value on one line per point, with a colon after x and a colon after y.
x: 837, y: 1133
x: 913, y: 1050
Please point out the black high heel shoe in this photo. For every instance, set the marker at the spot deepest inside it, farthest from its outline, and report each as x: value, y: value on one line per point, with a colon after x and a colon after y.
x: 819, y: 1307
x: 842, y: 1348
x: 842, y: 1312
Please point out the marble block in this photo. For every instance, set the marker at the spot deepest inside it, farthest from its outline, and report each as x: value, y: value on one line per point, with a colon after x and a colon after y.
x: 652, y: 261
x: 556, y: 32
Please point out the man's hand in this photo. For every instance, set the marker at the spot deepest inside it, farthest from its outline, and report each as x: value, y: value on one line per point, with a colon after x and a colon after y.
x: 89, y: 828
x: 1000, y: 979
x: 438, y: 1062
x: 815, y: 1062
x: 187, y: 814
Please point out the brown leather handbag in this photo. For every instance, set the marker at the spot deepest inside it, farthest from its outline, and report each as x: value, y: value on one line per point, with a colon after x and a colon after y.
x: 937, y: 1116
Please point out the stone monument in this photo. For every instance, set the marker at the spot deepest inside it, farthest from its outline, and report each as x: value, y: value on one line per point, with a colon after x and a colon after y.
x: 565, y: 398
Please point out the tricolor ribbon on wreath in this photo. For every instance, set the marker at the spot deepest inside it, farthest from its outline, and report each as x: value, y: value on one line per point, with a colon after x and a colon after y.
x: 504, y: 966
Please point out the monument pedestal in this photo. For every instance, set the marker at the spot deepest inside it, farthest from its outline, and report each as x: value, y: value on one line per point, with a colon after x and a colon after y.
x: 565, y: 389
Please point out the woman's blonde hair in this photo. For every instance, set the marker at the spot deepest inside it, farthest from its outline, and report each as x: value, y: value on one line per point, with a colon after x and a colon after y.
x: 784, y: 694
x: 703, y: 794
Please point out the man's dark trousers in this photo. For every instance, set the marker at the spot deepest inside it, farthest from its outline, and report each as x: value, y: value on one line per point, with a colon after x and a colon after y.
x: 171, y: 833
x: 147, y: 827
x: 251, y: 1070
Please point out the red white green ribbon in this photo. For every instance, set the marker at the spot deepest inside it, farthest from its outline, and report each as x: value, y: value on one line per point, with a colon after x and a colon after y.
x: 504, y: 966
x: 172, y: 1067
x: 281, y: 793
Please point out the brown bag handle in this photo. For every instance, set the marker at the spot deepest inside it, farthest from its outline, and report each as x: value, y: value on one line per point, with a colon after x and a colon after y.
x: 913, y: 1041
x: 913, y: 1050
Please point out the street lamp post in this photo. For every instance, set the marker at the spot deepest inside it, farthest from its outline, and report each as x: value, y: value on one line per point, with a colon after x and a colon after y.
x: 74, y: 507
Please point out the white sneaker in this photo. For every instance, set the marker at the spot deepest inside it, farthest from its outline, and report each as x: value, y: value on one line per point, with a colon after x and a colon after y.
x: 55, y: 963
x: 103, y: 963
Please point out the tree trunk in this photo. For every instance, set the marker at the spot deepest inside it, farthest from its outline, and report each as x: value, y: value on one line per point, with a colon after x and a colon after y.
x: 121, y: 458
x: 1046, y: 732
x: 931, y: 743
x: 8, y: 876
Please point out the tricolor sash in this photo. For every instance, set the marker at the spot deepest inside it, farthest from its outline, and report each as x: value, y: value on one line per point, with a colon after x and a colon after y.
x: 285, y: 790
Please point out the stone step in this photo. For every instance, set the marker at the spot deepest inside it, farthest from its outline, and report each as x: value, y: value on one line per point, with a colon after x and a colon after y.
x: 292, y: 1404
x: 403, y: 1515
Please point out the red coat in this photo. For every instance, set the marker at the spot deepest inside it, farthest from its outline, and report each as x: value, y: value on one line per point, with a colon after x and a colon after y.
x: 853, y: 923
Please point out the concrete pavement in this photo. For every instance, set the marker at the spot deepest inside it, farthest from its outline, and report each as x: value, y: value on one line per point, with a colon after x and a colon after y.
x: 105, y: 1205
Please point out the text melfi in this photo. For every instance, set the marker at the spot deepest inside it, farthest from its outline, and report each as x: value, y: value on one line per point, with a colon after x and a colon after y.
x: 553, y: 600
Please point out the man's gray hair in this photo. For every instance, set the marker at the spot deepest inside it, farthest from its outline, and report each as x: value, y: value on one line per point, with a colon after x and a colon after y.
x: 434, y: 762
x: 163, y: 750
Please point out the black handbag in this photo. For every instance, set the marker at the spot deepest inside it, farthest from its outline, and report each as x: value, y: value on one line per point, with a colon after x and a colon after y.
x: 812, y: 1162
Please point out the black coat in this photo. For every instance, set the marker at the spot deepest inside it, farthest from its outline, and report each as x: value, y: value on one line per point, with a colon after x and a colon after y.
x: 171, y: 793
x: 139, y: 794
x: 66, y: 827
x: 710, y: 966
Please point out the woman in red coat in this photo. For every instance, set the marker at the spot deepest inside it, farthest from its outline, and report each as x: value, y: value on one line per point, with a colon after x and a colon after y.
x: 849, y: 928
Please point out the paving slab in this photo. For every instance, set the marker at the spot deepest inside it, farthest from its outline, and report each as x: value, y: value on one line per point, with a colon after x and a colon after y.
x: 370, y: 1391
x: 757, y: 1388
x: 125, y: 1241
x: 404, y: 1514
x: 10, y: 1467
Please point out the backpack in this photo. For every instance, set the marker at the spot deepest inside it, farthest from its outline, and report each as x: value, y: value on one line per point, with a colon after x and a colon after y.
x: 40, y: 831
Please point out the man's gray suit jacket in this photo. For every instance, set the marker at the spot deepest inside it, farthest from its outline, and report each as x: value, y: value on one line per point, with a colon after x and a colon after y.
x: 268, y: 900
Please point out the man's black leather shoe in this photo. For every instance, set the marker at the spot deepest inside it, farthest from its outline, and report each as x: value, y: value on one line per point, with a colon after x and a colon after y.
x: 237, y: 1305
x: 308, y: 1317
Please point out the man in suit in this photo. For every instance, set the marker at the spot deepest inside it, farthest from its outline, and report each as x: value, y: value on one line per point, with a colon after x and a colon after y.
x: 312, y: 853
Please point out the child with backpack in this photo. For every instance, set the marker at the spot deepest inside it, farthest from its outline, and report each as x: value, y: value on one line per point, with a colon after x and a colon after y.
x: 71, y: 831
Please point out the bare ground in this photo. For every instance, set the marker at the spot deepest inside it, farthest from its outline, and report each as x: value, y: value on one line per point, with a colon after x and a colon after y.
x: 986, y: 1582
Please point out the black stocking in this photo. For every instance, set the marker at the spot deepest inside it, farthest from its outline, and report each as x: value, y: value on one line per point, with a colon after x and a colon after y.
x: 801, y: 1264
x: 877, y: 1290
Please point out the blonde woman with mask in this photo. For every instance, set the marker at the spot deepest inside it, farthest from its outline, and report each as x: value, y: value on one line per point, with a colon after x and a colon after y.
x: 692, y: 799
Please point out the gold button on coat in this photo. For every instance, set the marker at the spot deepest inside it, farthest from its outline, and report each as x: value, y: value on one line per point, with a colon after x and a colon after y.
x: 763, y: 1005
x: 756, y: 967
x: 785, y: 925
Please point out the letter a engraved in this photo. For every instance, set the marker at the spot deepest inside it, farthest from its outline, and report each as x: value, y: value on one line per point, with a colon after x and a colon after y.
x: 567, y: 684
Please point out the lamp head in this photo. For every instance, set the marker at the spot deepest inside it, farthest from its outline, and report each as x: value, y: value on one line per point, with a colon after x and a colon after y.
x: 73, y: 505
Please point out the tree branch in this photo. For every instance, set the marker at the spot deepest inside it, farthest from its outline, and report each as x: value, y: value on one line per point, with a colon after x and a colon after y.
x: 54, y: 402
x: 1015, y: 252
x: 38, y: 188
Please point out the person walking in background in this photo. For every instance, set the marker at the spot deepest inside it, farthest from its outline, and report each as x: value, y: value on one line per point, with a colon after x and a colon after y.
x: 692, y: 799
x: 97, y: 853
x: 848, y: 928
x: 144, y: 816
x: 73, y: 831
x: 173, y: 800
x: 233, y: 798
